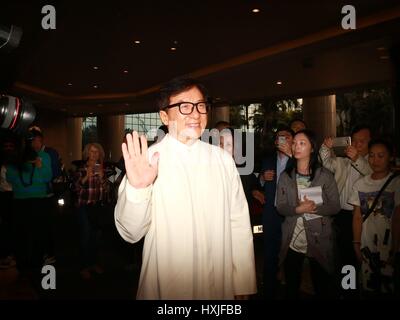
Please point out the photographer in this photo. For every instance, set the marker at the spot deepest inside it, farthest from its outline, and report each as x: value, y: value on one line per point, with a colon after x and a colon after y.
x: 29, y: 176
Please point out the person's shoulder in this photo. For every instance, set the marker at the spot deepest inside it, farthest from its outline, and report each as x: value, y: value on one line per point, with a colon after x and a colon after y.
x: 325, y: 173
x: 50, y: 150
x: 44, y: 155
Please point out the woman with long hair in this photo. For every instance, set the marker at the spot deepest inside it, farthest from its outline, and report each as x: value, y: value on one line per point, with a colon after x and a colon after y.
x: 307, y: 230
x: 90, y: 187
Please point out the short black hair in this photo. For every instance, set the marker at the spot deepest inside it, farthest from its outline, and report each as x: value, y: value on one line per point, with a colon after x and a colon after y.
x: 297, y: 120
x: 176, y: 86
x: 284, y: 128
x: 359, y: 127
x: 315, y: 161
x: 386, y: 143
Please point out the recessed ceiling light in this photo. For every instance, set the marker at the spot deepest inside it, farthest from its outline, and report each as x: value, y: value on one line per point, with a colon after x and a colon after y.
x: 137, y: 41
x: 384, y: 57
x: 127, y: 104
x: 255, y: 10
x: 95, y: 86
x: 279, y: 83
x: 90, y: 113
x: 381, y: 48
x: 173, y: 48
x: 69, y: 84
x: 96, y: 68
x: 126, y: 71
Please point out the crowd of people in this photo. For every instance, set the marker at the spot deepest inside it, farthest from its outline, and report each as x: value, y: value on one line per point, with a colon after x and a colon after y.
x: 186, y: 198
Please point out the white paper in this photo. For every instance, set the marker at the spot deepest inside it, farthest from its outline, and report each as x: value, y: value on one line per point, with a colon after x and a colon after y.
x: 314, y: 194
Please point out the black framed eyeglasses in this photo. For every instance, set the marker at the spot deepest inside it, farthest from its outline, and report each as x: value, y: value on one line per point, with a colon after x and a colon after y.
x: 186, y: 108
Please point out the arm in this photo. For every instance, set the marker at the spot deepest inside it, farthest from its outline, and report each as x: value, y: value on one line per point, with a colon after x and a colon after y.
x: 282, y: 201
x: 357, y: 228
x: 328, y: 161
x: 396, y: 230
x: 133, y: 211
x: 244, y: 275
x: 331, y: 203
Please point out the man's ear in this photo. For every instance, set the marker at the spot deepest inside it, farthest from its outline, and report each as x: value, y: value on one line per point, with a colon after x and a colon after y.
x: 164, y: 117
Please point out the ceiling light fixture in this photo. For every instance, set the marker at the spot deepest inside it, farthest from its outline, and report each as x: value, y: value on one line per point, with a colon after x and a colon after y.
x: 96, y: 68
x: 126, y: 71
x: 173, y: 48
x: 279, y: 83
x: 137, y: 41
x: 95, y: 86
x: 69, y: 84
x: 384, y: 57
x: 255, y: 10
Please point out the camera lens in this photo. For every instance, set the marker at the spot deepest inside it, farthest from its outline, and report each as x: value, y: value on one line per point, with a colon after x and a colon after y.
x: 16, y: 114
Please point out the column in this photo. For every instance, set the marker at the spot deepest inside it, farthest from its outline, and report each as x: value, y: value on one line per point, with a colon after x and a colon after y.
x: 74, y: 141
x: 319, y: 113
x: 110, y: 131
x: 219, y: 114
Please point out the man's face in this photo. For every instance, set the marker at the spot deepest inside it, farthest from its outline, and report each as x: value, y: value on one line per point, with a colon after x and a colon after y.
x: 283, y: 136
x: 185, y: 128
x: 360, y: 141
x: 37, y: 143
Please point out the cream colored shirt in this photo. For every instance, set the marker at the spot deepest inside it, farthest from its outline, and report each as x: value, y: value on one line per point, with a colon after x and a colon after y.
x: 195, y: 219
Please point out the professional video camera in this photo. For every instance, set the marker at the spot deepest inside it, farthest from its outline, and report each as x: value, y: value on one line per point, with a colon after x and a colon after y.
x: 16, y: 114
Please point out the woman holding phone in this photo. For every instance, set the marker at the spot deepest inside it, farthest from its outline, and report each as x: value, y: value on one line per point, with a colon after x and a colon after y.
x: 307, y: 231
x: 90, y: 187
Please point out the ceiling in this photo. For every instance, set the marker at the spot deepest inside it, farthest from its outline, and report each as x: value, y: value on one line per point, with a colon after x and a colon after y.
x: 91, y: 63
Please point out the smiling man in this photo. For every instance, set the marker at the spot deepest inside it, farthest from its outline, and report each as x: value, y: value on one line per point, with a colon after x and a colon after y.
x: 185, y: 196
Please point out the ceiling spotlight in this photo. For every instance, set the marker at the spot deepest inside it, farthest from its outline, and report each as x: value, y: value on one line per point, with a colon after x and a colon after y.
x: 137, y: 41
x: 127, y: 104
x: 255, y: 10
x: 69, y: 84
x: 96, y: 68
x: 95, y: 86
x: 126, y: 71
x: 173, y: 48
x: 381, y: 48
x: 90, y: 113
x: 279, y: 83
x: 384, y: 57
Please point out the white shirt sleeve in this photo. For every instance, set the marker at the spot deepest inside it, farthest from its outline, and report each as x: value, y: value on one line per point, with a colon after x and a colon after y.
x: 133, y: 211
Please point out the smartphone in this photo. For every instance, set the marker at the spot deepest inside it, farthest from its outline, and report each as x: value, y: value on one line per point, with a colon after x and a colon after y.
x: 340, y: 144
x: 281, y: 140
x: 97, y: 168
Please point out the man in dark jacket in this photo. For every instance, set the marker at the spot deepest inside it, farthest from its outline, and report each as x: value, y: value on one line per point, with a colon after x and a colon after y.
x: 273, y: 165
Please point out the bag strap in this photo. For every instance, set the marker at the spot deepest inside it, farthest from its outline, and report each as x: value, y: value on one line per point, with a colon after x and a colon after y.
x: 371, y: 209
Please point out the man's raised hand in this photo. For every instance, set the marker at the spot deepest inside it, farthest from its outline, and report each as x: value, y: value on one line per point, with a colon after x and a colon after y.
x: 140, y: 172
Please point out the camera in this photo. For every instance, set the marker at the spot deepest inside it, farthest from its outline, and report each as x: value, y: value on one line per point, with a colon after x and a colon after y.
x: 16, y: 114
